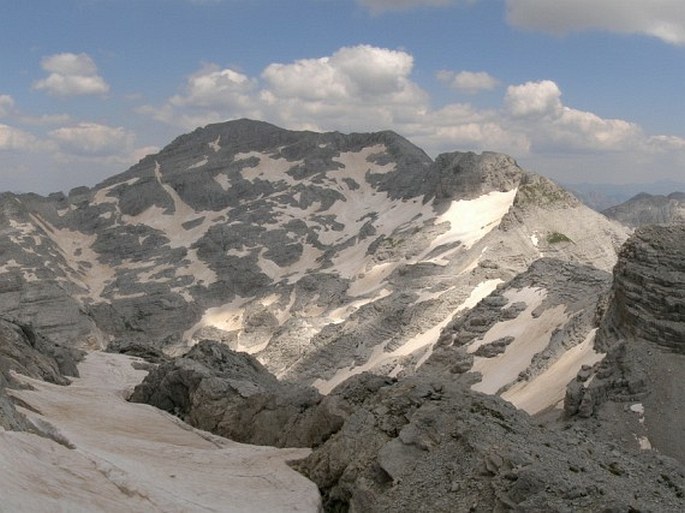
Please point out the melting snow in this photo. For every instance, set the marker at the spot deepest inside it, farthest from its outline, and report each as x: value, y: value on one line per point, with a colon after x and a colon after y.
x: 380, y: 357
x: 199, y: 163
x: 531, y: 336
x: 133, y: 458
x: 548, y: 389
x: 214, y: 145
x: 471, y: 220
x: 269, y: 169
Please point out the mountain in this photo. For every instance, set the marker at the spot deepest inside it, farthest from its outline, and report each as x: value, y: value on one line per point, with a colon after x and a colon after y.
x: 349, y: 294
x: 601, y: 196
x: 648, y: 209
x: 322, y: 254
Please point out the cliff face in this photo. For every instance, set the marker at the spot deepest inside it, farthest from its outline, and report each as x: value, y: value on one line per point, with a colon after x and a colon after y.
x: 649, y: 287
x: 636, y: 391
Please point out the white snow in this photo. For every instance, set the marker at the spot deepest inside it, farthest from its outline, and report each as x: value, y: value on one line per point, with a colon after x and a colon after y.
x: 471, y: 220
x: 133, y: 458
x: 214, y: 145
x: 199, y: 163
x: 76, y: 247
x: 637, y: 408
x: 548, y: 389
x: 644, y: 442
x: 227, y: 317
x: 481, y: 291
x: 531, y: 334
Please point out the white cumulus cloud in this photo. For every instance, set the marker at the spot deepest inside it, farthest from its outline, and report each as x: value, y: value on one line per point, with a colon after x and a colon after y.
x: 366, y: 88
x: 470, y: 82
x: 536, y: 109
x: 663, y: 19
x: 533, y: 99
x: 12, y: 139
x: 71, y: 74
x: 93, y: 140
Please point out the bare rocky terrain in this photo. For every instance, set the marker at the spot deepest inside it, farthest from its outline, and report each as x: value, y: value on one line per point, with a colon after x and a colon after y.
x: 445, y: 335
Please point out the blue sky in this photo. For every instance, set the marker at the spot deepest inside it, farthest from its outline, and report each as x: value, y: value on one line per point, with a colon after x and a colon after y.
x: 578, y: 90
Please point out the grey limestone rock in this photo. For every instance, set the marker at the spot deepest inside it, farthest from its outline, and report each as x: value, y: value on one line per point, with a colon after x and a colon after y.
x: 27, y: 352
x: 233, y: 395
x: 429, y: 445
x: 642, y: 331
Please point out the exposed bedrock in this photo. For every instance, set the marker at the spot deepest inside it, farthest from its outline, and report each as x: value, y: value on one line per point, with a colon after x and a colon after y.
x: 420, y: 444
x: 425, y: 445
x: 645, y: 209
x: 233, y: 395
x: 635, y: 393
x: 649, y: 287
x: 27, y: 352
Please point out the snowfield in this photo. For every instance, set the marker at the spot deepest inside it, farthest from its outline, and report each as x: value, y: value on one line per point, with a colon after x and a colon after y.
x: 134, y: 458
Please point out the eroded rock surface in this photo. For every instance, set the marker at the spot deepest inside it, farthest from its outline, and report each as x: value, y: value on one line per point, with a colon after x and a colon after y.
x: 233, y: 395
x: 634, y: 392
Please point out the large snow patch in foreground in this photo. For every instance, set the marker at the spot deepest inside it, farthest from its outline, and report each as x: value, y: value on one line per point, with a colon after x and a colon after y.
x: 135, y: 458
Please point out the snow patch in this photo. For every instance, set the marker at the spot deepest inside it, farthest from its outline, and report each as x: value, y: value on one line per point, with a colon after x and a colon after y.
x: 132, y: 457
x: 549, y: 388
x: 214, y: 145
x: 199, y: 163
x: 268, y: 169
x: 531, y: 335
x: 379, y: 357
x: 471, y: 220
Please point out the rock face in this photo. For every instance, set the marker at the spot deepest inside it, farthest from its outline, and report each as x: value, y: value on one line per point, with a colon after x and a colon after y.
x: 434, y: 446
x: 634, y: 391
x: 233, y: 395
x: 27, y: 352
x: 645, y: 209
x: 347, y: 293
x: 422, y: 443
x: 527, y: 339
x: 649, y: 291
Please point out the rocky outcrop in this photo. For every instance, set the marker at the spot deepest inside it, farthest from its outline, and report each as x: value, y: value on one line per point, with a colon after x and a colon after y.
x: 233, y: 395
x: 313, y: 251
x: 430, y: 445
x: 648, y: 292
x: 528, y: 338
x: 422, y: 443
x: 645, y: 209
x: 633, y: 392
x: 27, y: 352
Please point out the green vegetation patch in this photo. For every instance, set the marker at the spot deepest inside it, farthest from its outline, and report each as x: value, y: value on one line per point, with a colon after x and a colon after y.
x: 556, y: 237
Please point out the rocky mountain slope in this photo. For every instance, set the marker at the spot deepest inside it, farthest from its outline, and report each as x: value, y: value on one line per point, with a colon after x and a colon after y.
x: 324, y: 255
x: 646, y: 209
x: 303, y: 289
x: 434, y: 442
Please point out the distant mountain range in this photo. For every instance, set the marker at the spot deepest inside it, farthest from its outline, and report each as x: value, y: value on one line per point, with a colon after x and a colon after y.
x: 601, y: 196
x: 649, y: 209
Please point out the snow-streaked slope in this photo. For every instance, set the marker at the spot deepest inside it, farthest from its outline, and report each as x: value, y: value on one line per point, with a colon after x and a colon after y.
x: 134, y: 458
